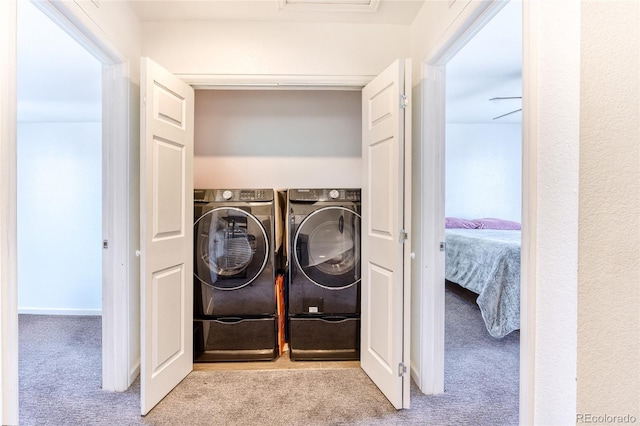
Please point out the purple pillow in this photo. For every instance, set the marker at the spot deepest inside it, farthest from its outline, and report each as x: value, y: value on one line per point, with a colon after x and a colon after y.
x: 492, y: 223
x: 455, y: 222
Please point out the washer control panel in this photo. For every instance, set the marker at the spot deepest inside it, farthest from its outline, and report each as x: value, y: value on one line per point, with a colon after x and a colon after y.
x: 220, y: 195
x: 332, y: 194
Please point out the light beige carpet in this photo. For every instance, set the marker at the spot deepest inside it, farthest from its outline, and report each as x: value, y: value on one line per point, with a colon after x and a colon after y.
x: 278, y: 397
x: 60, y: 381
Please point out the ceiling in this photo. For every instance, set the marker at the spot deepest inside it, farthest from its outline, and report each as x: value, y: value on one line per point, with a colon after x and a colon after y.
x: 54, y: 70
x: 488, y: 66
x: 58, y: 80
x: 354, y: 11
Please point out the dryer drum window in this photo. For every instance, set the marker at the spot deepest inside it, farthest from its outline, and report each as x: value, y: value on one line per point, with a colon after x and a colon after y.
x: 327, y: 247
x: 231, y: 248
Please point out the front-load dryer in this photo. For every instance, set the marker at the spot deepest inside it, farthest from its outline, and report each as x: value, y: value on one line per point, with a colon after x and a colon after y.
x: 234, y: 281
x: 324, y: 273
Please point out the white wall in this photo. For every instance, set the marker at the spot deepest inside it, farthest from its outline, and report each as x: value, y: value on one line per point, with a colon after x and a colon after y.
x: 609, y: 265
x: 429, y: 28
x: 274, y: 48
x: 115, y: 24
x: 60, y: 218
x: 277, y: 139
x: 483, y: 170
x: 59, y: 148
x: 554, y: 82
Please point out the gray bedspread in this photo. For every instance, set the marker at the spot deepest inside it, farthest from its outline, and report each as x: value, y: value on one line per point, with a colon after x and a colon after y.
x: 487, y: 262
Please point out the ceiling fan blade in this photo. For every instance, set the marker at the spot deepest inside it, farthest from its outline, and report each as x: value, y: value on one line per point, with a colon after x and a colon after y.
x: 499, y: 98
x: 509, y: 113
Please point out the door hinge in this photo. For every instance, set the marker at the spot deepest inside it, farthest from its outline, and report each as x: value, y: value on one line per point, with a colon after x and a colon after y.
x: 402, y: 369
x: 105, y: 244
x: 443, y: 246
x: 404, y: 101
x: 403, y: 236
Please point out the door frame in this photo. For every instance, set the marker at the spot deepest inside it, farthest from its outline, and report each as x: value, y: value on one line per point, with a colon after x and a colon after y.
x: 116, y: 206
x: 117, y: 139
x: 8, y: 237
x: 430, y: 370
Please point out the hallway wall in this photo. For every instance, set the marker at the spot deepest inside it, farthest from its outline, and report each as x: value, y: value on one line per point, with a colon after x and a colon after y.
x: 60, y: 218
x: 59, y: 152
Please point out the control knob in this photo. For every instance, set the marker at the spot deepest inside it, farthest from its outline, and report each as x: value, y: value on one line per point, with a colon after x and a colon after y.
x: 227, y: 194
x: 334, y: 193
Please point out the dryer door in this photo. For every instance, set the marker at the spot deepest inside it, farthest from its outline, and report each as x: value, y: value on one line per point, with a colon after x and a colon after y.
x: 231, y: 248
x: 327, y: 247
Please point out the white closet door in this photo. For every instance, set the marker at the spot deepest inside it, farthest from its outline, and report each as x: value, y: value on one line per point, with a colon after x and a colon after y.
x: 385, y: 284
x: 166, y: 215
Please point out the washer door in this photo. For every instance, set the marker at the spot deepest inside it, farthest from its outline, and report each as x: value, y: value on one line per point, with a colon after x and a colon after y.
x: 231, y: 248
x: 327, y: 247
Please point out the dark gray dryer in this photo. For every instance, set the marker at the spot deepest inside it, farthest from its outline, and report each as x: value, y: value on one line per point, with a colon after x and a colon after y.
x: 234, y: 281
x: 324, y: 273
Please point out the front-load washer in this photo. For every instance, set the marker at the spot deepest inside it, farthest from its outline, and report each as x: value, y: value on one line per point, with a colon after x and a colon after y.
x: 234, y: 275
x: 324, y: 273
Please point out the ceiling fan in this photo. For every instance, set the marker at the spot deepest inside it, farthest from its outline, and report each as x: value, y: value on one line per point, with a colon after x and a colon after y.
x: 500, y: 98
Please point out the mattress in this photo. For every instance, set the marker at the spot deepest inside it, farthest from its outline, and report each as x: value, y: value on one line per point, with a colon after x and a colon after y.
x: 487, y: 262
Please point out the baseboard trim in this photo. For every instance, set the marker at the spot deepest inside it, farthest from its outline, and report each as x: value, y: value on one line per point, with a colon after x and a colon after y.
x: 59, y: 311
x: 415, y: 373
x: 134, y: 373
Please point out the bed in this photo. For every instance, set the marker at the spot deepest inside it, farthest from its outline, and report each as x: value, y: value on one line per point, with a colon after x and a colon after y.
x: 487, y: 262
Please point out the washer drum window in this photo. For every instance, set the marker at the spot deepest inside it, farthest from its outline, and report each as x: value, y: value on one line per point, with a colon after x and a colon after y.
x: 231, y: 248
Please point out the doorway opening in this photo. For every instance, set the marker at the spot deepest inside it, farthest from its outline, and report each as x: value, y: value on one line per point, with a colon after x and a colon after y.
x: 59, y: 205
x: 118, y: 142
x: 431, y: 194
x: 155, y: 76
x: 282, y: 139
x: 483, y: 211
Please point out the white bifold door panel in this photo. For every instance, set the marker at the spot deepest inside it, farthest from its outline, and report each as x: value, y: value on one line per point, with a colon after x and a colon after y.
x: 385, y: 247
x: 166, y: 215
x: 166, y: 174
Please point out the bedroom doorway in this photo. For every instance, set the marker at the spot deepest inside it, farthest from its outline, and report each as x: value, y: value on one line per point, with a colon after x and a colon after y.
x: 431, y: 195
x: 483, y: 209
